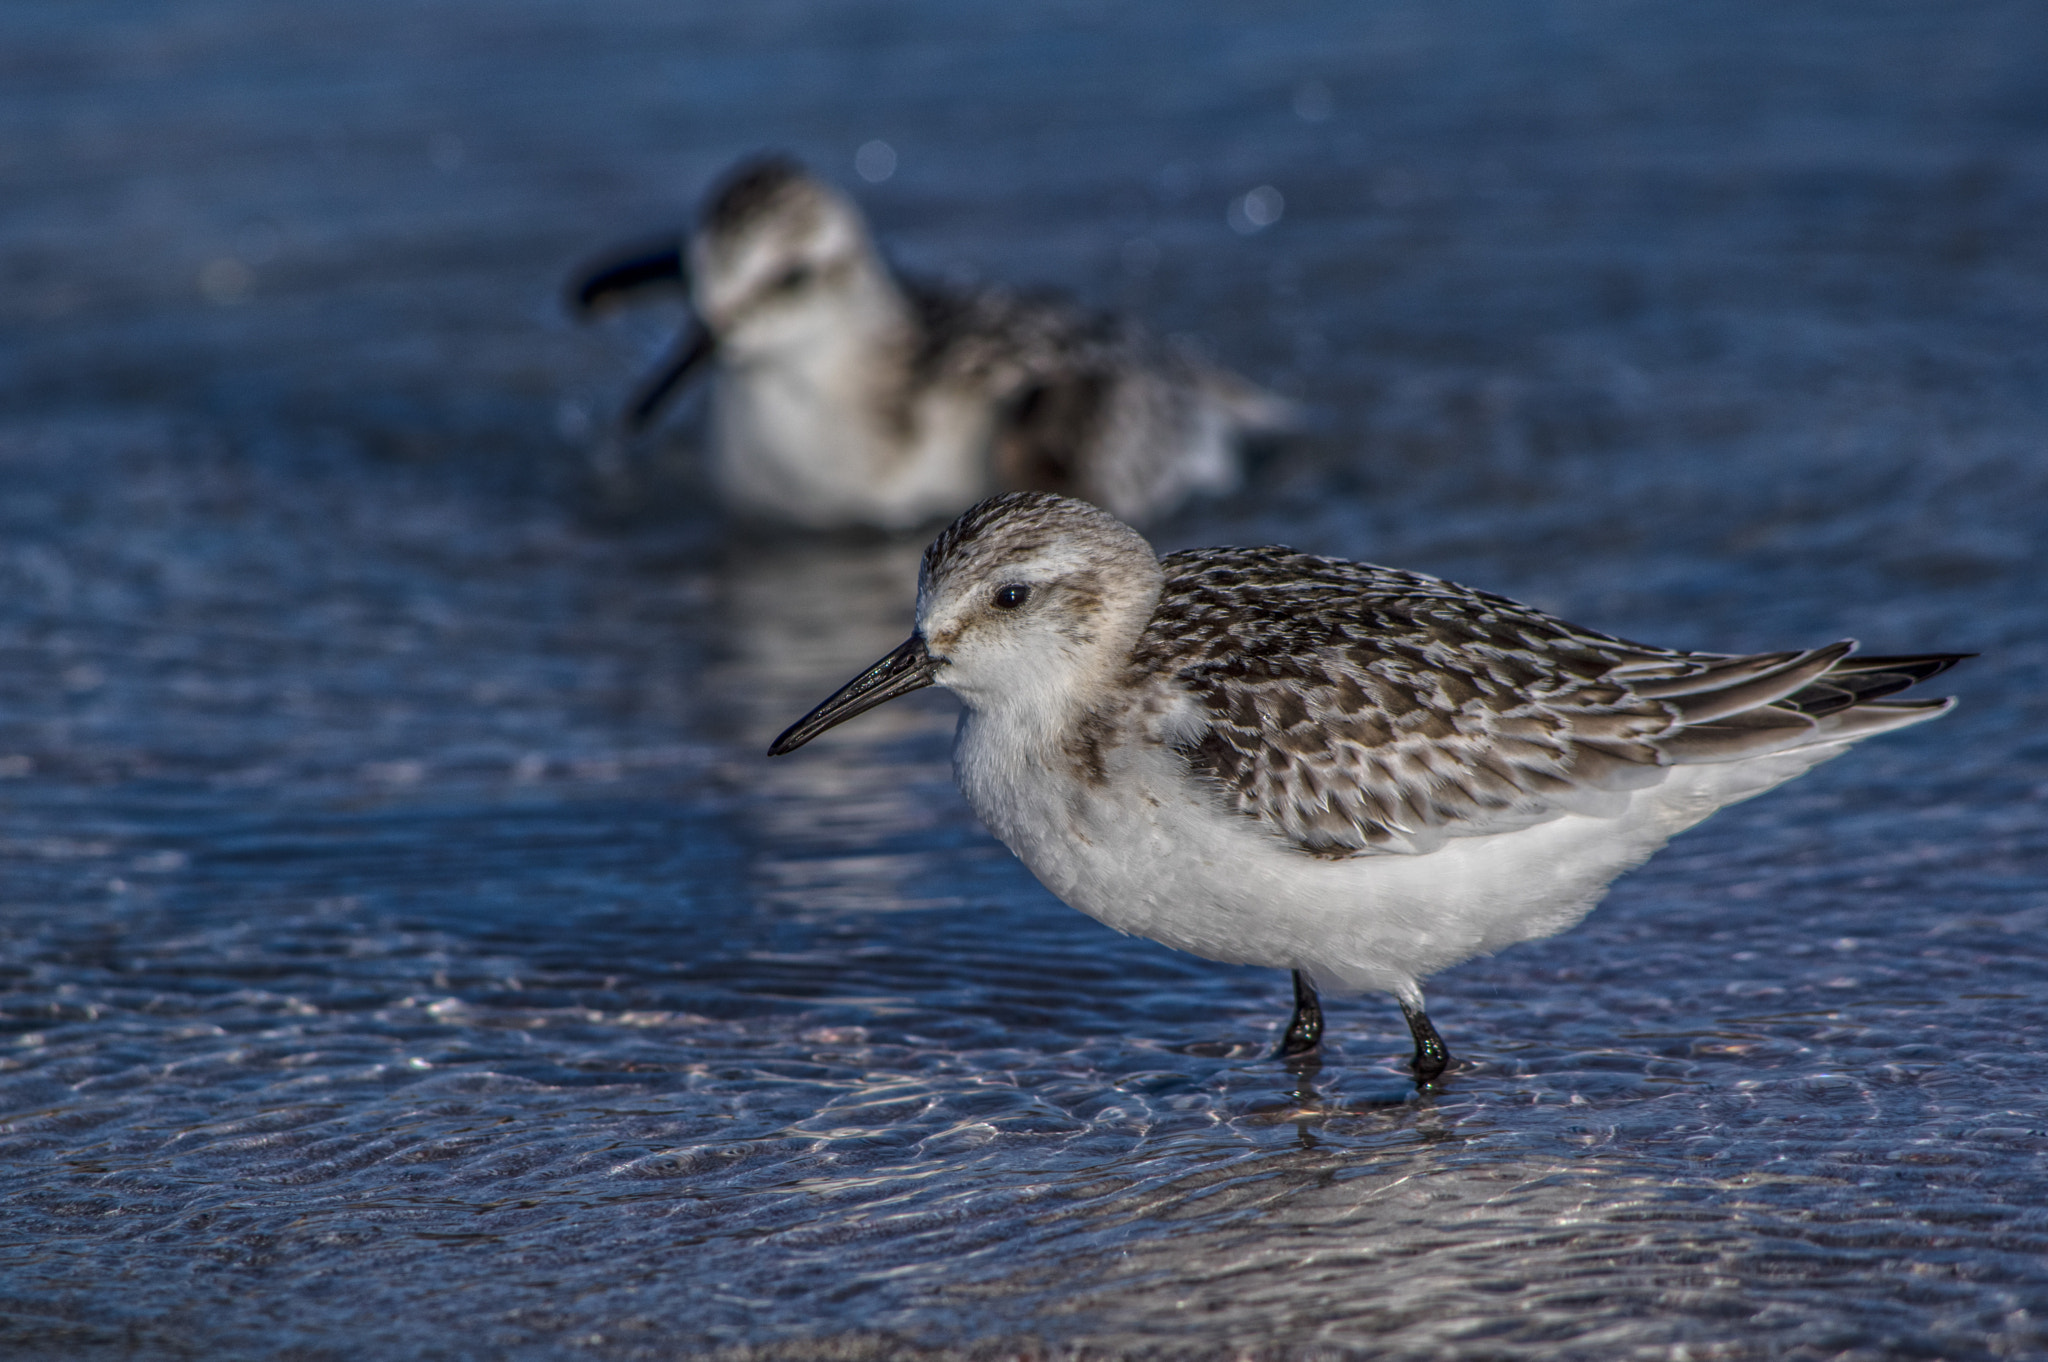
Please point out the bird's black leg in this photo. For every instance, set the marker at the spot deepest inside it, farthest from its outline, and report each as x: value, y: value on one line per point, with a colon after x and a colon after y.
x: 1431, y: 1056
x: 1305, y: 1030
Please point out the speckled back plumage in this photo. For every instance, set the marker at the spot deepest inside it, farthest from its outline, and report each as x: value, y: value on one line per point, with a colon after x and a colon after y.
x: 1358, y: 709
x: 1090, y: 405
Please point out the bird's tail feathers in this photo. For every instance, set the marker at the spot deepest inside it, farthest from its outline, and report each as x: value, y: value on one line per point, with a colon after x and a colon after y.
x: 1744, y: 707
x: 1250, y: 408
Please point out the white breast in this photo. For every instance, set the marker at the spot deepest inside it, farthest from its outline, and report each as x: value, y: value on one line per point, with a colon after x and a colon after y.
x: 807, y: 438
x: 1150, y: 853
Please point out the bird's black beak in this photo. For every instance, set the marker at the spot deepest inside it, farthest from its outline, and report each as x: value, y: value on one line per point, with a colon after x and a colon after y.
x: 601, y: 284
x: 659, y: 265
x: 694, y: 347
x: 907, y: 669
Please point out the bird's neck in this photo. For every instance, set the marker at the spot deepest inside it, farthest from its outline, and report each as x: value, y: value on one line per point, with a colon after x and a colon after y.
x: 871, y: 306
x: 854, y: 351
x: 1045, y: 706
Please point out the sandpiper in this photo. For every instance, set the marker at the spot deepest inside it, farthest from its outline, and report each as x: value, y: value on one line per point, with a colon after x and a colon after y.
x: 1357, y: 773
x: 848, y: 395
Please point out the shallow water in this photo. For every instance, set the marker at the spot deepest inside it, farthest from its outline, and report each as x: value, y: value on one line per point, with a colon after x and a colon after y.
x: 405, y: 950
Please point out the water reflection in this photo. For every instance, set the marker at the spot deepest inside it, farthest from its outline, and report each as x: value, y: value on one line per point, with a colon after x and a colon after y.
x: 845, y: 827
x: 1408, y: 1246
x: 801, y: 614
x: 1420, y: 1230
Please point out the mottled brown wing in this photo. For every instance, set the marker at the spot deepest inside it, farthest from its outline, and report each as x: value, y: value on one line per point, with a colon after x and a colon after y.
x: 1357, y: 709
x: 1053, y: 369
x: 1044, y: 428
x: 1004, y: 341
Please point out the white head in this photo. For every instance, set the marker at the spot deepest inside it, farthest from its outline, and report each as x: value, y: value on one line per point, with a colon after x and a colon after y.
x: 1031, y: 601
x: 779, y: 259
x: 1028, y: 606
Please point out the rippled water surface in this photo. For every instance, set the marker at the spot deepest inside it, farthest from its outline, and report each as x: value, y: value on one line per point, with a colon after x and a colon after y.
x: 406, y: 951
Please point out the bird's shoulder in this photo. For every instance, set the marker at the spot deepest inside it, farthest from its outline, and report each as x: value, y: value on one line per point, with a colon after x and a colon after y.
x: 999, y: 337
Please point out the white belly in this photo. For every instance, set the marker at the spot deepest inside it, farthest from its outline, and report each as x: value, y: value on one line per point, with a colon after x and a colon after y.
x: 796, y: 444
x: 1150, y: 854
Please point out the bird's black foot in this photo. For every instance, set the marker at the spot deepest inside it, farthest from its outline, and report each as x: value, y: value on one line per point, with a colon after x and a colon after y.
x: 1432, y: 1057
x: 1305, y: 1030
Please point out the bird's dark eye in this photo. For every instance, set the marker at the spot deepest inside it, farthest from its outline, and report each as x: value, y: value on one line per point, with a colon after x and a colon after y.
x: 792, y: 279
x: 1011, y: 596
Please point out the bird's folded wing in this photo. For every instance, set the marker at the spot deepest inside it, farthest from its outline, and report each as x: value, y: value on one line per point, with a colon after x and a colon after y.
x: 1002, y: 340
x: 1355, y: 709
x: 1050, y: 368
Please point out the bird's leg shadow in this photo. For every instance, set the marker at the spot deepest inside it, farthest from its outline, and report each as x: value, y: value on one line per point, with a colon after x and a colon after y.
x: 1308, y: 1103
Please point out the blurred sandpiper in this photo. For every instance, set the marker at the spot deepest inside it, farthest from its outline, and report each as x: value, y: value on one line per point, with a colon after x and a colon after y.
x: 845, y: 394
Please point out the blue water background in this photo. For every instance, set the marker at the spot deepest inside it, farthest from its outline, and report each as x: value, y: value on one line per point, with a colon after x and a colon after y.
x: 407, y: 952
